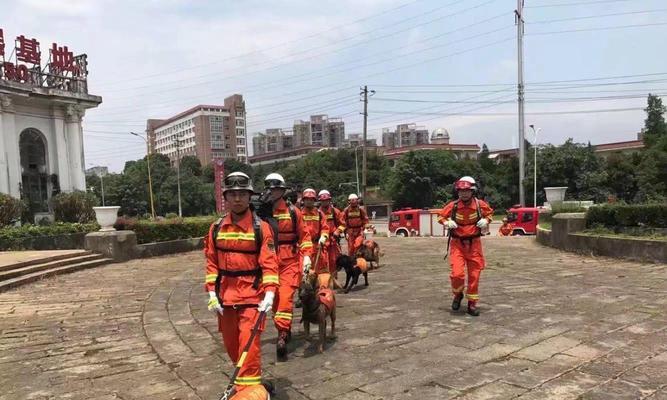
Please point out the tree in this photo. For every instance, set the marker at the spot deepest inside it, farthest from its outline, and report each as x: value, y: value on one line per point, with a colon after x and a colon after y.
x: 192, y: 164
x: 654, y: 125
x: 652, y: 173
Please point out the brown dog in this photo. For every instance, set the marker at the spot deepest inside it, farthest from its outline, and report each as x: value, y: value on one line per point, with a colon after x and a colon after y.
x: 318, y: 304
x: 370, y: 251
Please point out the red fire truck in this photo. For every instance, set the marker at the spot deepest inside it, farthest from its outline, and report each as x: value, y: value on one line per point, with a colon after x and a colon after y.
x: 415, y: 222
x: 524, y: 219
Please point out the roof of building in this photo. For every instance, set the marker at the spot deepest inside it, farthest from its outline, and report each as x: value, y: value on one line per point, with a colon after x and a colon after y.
x: 627, y: 145
x: 186, y: 112
x: 451, y: 147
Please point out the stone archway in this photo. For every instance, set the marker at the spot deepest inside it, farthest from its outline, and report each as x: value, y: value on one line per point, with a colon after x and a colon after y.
x: 34, y: 170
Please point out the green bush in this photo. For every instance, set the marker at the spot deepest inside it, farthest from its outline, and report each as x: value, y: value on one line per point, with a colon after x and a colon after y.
x: 75, y: 207
x: 171, y: 215
x: 10, y: 209
x: 12, y: 237
x: 627, y: 216
x: 566, y: 208
x: 165, y: 230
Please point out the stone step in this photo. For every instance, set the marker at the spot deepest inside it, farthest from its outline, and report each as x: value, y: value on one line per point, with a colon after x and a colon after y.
x: 32, y: 268
x: 35, y: 276
x: 45, y: 259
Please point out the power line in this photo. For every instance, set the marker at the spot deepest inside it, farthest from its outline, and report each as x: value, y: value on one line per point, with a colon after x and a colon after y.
x: 580, y: 3
x: 334, y: 28
x: 549, y: 21
x: 528, y: 113
x: 606, y: 28
x: 540, y: 100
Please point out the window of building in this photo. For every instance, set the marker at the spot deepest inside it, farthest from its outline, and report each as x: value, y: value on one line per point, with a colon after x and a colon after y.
x: 239, y: 122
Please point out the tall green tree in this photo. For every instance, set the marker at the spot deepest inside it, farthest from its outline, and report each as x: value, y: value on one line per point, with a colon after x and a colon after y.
x: 655, y: 127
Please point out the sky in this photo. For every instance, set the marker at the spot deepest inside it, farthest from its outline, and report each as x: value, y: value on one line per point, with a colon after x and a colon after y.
x: 588, y: 64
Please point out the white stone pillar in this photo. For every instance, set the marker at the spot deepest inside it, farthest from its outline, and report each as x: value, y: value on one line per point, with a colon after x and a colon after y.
x: 74, y: 138
x: 62, y: 152
x: 11, y: 169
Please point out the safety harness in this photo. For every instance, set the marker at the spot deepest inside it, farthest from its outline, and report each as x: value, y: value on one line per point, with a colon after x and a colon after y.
x: 451, y: 234
x: 256, y: 272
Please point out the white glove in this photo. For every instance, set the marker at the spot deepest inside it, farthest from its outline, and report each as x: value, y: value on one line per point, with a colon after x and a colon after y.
x: 482, y: 223
x: 451, y: 224
x: 213, y: 303
x: 267, y: 303
x: 322, y: 241
x: 306, y: 264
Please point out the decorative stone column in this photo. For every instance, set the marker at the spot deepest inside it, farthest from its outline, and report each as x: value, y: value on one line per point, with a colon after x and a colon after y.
x: 61, y: 149
x: 74, y: 137
x: 10, y: 170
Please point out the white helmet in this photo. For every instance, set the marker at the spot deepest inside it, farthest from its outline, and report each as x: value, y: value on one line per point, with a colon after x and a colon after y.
x: 466, y: 182
x: 237, y: 181
x: 324, y: 195
x: 352, y: 197
x: 274, y: 180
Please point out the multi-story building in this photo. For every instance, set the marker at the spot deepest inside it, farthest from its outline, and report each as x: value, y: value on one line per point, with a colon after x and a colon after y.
x: 203, y: 131
x: 319, y: 131
x: 355, y: 139
x: 404, y: 135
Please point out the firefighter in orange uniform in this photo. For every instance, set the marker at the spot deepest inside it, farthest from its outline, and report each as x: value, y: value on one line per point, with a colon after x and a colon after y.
x: 506, y: 228
x: 466, y: 218
x: 334, y: 220
x: 354, y: 219
x: 294, y: 251
x: 317, y: 227
x: 241, y: 279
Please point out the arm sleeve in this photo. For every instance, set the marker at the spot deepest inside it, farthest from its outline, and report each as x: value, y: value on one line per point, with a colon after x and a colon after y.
x: 268, y: 260
x: 324, y: 226
x: 305, y: 241
x: 340, y: 218
x: 211, y: 257
x: 445, y: 213
x: 364, y: 217
x: 487, y: 211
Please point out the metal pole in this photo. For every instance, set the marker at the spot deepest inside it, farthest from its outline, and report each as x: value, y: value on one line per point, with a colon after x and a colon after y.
x: 356, y: 166
x: 102, y: 183
x: 535, y: 132
x: 363, y: 144
x: 178, y: 174
x: 522, y: 148
x: 150, y: 182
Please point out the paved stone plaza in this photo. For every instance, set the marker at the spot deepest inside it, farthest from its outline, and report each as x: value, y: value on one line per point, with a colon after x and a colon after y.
x: 553, y: 326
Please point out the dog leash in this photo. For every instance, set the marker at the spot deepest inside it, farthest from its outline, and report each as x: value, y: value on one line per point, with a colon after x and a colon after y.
x: 255, y: 329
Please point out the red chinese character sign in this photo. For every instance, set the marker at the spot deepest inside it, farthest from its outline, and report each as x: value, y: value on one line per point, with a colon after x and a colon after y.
x: 219, y: 169
x: 65, y: 70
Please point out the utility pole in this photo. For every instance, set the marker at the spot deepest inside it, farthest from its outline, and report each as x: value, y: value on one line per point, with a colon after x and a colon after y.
x: 150, y: 182
x: 178, y: 173
x: 522, y: 124
x: 364, y: 165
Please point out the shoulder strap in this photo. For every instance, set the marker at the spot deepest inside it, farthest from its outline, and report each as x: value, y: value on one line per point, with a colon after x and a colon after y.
x: 292, y: 214
x: 479, y: 209
x: 257, y: 226
x: 454, y: 209
x: 216, y: 229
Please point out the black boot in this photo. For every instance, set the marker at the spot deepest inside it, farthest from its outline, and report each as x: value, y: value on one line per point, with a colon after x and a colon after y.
x: 281, y: 346
x: 472, y: 309
x: 456, y: 303
x: 268, y: 385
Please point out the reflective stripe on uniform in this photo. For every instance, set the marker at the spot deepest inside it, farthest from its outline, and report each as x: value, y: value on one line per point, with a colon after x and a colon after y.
x: 270, y: 279
x: 305, y: 245
x: 283, y: 315
x: 235, y: 236
x: 282, y: 216
x: 472, y: 296
x: 248, y: 380
x: 311, y: 218
x: 210, y: 278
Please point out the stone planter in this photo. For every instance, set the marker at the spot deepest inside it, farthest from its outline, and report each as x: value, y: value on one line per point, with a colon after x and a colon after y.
x: 106, y: 217
x: 555, y: 195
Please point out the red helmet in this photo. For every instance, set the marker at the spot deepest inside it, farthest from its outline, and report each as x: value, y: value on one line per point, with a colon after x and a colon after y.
x: 309, y: 194
x: 324, y: 195
x: 466, y: 183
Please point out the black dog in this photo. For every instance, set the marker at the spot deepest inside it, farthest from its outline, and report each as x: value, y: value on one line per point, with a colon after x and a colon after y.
x: 352, y: 271
x: 315, y: 311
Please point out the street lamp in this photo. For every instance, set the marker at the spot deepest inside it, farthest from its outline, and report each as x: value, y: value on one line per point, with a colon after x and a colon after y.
x: 356, y: 166
x: 535, y: 132
x: 150, y: 182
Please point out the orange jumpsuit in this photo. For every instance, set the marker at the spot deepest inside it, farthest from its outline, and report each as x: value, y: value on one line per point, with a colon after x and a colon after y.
x: 505, y: 229
x: 466, y: 245
x: 315, y: 223
x: 293, y: 244
x: 245, y: 277
x: 334, y: 221
x: 354, y: 219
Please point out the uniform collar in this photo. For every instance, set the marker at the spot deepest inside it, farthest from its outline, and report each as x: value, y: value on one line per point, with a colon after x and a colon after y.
x: 244, y: 223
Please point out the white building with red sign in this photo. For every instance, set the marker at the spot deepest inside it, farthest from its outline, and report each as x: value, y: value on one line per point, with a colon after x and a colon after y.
x: 42, y: 103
